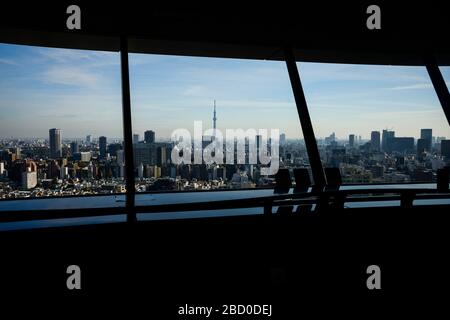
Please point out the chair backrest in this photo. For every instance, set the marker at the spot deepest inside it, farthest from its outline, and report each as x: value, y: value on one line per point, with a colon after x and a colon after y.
x: 283, y: 179
x: 443, y: 177
x: 302, y: 179
x: 334, y: 178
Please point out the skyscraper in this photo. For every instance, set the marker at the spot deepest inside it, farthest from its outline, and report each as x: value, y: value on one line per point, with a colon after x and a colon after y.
x: 120, y: 157
x: 2, y: 168
x: 135, y: 138
x: 89, y: 139
x: 351, y: 140
x: 102, y: 147
x: 18, y: 152
x: 145, y: 153
x: 149, y: 136
x: 74, y: 147
x: 161, y: 156
x: 422, y: 145
x: 400, y: 144
x: 445, y: 148
x: 386, y: 136
x: 29, y: 179
x: 55, y: 143
x: 282, y: 139
x: 375, y: 140
x: 427, y: 134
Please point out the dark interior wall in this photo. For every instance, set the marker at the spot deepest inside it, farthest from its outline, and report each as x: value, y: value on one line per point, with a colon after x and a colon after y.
x: 318, y: 260
x: 319, y: 30
x: 314, y: 259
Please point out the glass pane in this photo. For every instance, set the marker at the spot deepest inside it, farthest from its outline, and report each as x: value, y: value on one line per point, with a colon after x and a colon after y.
x: 445, y: 142
x: 377, y: 124
x: 446, y: 74
x: 61, y: 124
x: 174, y: 92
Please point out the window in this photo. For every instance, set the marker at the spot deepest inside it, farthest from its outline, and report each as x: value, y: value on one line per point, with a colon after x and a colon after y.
x: 446, y: 74
x: 173, y: 92
x: 377, y: 124
x: 61, y: 125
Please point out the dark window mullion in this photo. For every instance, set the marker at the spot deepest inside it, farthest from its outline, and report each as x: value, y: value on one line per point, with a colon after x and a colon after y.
x: 439, y: 84
x: 305, y: 120
x: 127, y: 130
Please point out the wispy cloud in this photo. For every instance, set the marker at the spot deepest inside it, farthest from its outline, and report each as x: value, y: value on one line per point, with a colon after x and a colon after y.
x: 413, y: 86
x: 8, y: 61
x: 70, y: 76
x: 312, y: 72
x: 195, y: 90
x: 416, y: 86
x: 191, y: 105
x: 87, y: 58
x: 63, y: 55
x: 276, y: 105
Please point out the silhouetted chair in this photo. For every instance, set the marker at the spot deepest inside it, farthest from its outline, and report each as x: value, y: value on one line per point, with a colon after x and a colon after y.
x: 304, y: 208
x: 334, y: 179
x: 443, y: 177
x: 302, y: 179
x: 285, y: 209
x: 327, y: 200
x: 282, y: 181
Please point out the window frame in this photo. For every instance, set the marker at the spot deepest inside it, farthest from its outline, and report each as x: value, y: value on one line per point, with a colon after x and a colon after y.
x: 130, y: 208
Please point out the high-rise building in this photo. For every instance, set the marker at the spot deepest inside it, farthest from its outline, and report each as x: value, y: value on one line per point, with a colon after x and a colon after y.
x: 120, y: 157
x: 8, y: 157
x: 63, y: 172
x: 282, y: 139
x: 422, y: 146
x: 161, y: 156
x: 53, y: 170
x: 140, y: 170
x: 2, y: 168
x: 113, y: 148
x: 89, y: 139
x: 74, y: 147
x: 24, y: 172
x: 55, y: 143
x: 149, y: 136
x: 386, y: 136
x: 400, y: 144
x: 29, y: 179
x: 445, y: 148
x: 84, y: 156
x: 135, y: 138
x: 351, y: 140
x: 18, y: 152
x: 145, y: 153
x: 427, y: 134
x: 375, y: 140
x: 102, y: 147
x: 121, y: 162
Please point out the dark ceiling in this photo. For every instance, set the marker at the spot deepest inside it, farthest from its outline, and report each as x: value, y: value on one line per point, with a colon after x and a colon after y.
x: 318, y: 31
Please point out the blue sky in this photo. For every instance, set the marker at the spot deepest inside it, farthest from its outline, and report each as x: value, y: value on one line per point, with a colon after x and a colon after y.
x: 80, y: 92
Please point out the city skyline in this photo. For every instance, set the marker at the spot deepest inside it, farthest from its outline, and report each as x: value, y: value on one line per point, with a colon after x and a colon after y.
x: 98, y: 167
x: 73, y: 89
x: 141, y: 138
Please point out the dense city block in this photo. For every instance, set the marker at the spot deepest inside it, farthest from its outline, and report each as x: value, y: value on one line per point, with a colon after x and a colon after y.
x: 56, y: 166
